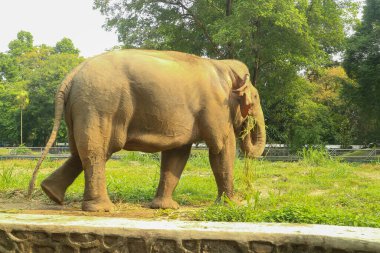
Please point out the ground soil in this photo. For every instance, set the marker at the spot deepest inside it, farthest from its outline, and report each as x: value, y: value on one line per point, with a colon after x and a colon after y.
x: 20, y: 204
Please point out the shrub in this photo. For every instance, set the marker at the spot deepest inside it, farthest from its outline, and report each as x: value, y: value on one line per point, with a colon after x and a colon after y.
x: 21, y: 150
x: 316, y: 157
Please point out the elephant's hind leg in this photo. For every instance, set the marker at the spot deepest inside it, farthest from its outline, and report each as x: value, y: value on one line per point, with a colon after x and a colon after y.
x: 56, y: 184
x: 94, y: 145
x: 172, y: 164
x: 95, y: 198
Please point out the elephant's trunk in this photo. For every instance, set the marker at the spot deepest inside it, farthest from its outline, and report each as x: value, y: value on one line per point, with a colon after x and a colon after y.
x: 253, y: 143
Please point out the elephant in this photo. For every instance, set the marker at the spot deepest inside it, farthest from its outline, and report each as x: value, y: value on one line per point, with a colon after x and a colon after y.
x: 152, y: 101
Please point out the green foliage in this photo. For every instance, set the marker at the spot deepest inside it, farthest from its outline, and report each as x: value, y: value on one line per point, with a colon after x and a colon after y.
x: 21, y: 45
x: 325, y: 112
x: 276, y: 39
x: 21, y: 150
x: 7, y: 175
x: 362, y: 63
x: 312, y: 124
x: 14, y: 98
x: 205, y: 28
x: 315, y: 157
x: 43, y: 84
x: 29, y: 77
x: 335, y: 91
x: 66, y: 46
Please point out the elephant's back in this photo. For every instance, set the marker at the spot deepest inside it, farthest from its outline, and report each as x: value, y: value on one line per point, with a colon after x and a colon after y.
x: 98, y: 90
x: 142, y: 74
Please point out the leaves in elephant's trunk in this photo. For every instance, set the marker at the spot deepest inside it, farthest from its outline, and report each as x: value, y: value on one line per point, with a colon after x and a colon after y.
x: 250, y: 124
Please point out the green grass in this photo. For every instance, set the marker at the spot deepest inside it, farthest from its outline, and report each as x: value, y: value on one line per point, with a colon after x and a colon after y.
x: 21, y: 150
x: 316, y: 190
x: 331, y: 193
x: 4, y: 151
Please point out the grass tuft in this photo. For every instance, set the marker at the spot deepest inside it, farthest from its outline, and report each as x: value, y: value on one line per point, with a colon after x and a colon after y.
x: 250, y: 124
x: 316, y: 157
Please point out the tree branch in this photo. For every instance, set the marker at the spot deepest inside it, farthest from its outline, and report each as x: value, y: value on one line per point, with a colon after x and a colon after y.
x: 197, y: 21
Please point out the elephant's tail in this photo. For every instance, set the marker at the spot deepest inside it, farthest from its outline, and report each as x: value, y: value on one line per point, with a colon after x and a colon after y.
x: 60, y: 99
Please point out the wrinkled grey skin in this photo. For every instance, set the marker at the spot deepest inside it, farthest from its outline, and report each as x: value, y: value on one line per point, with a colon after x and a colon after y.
x: 153, y: 101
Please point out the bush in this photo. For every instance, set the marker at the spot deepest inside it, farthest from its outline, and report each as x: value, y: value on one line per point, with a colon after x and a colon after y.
x: 21, y: 150
x: 316, y: 157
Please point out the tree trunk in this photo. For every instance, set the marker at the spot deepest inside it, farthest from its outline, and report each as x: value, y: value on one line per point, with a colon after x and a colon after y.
x: 256, y: 53
x: 256, y: 70
x: 229, y: 53
x: 228, y: 7
x: 21, y: 128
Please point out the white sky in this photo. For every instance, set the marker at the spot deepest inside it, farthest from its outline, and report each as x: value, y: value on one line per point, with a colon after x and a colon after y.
x: 51, y: 20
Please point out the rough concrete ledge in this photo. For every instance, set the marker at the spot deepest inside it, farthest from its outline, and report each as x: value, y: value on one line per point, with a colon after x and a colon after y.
x: 55, y: 233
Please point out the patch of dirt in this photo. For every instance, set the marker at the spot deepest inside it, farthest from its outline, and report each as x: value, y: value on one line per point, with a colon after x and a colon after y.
x: 20, y: 204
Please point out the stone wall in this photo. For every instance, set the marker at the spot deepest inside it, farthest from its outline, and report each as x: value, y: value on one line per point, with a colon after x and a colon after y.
x: 53, y: 233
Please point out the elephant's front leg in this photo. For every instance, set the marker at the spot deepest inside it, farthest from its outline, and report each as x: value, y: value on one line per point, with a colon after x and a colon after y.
x: 172, y: 164
x: 222, y: 166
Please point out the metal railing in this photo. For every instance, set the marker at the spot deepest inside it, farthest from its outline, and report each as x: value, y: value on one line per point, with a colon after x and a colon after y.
x: 270, y: 153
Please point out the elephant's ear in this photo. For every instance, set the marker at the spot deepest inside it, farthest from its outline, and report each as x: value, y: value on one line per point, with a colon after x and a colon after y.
x: 245, y: 97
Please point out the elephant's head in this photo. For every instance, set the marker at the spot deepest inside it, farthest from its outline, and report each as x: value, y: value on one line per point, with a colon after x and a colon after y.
x: 247, y: 107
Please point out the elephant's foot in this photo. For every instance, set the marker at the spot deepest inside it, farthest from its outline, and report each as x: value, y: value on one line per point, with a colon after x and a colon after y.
x: 53, y: 192
x: 98, y: 205
x: 164, y: 203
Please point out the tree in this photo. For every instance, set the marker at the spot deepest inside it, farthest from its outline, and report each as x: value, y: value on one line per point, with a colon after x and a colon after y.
x: 8, y: 67
x: 42, y: 87
x: 14, y: 99
x: 312, y: 124
x: 23, y: 43
x: 362, y: 63
x: 22, y: 101
x: 277, y: 39
x: 66, y: 46
x: 29, y: 77
x: 334, y: 90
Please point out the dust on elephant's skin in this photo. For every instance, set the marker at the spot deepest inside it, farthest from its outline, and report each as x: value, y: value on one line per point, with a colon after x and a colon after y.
x: 153, y: 101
